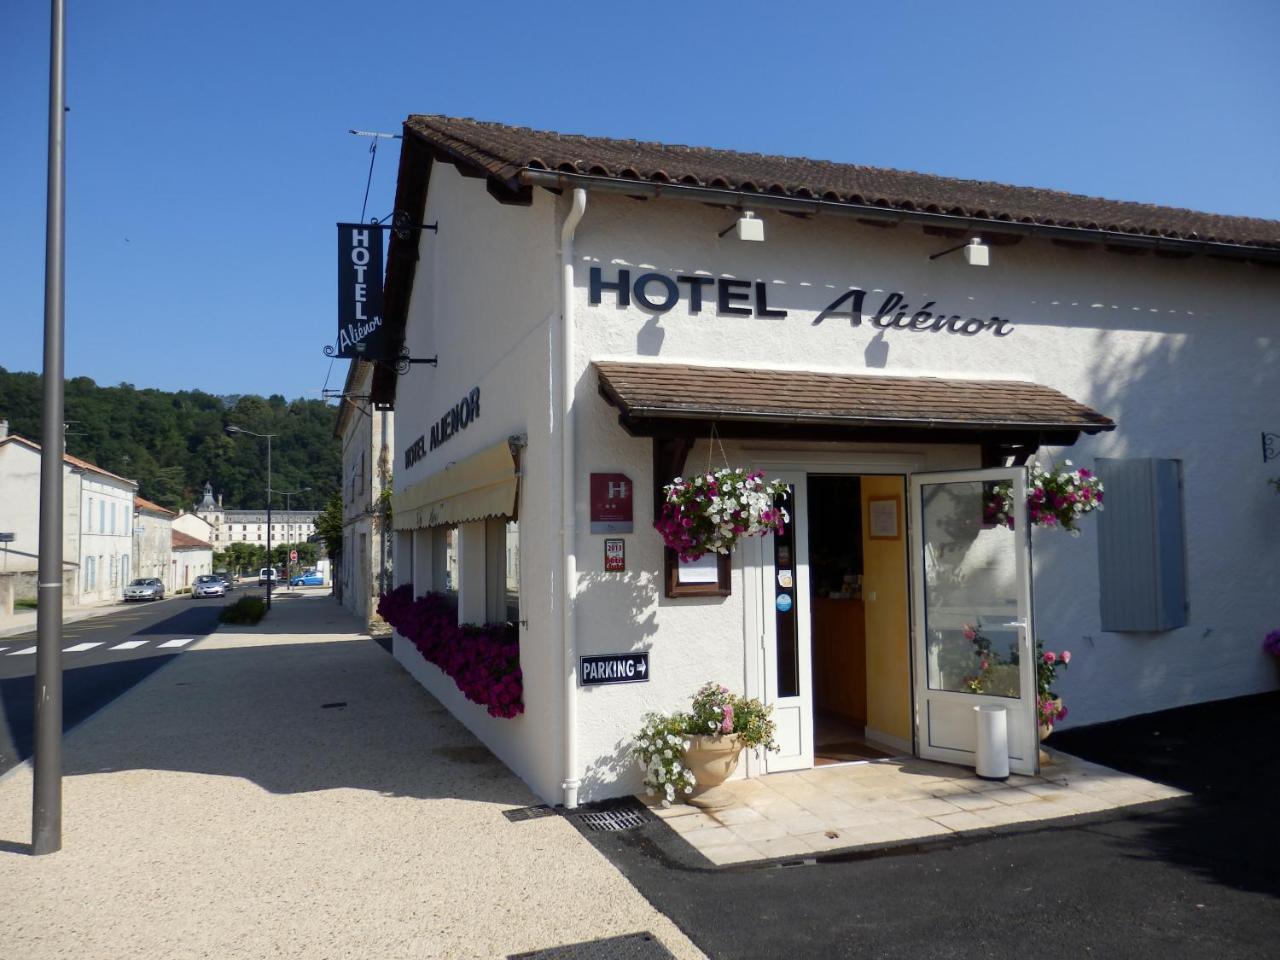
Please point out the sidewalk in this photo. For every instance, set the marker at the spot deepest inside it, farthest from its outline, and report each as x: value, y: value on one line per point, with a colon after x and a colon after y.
x: 24, y: 620
x: 287, y: 790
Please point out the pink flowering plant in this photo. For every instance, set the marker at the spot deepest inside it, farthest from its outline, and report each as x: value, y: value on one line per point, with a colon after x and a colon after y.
x: 660, y: 745
x: 717, y: 711
x: 484, y: 661
x: 711, y: 512
x: 1055, y: 498
x: 1271, y: 643
x: 1049, y: 708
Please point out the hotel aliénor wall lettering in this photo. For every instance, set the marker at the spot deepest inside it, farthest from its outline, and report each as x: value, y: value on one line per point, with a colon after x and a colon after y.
x: 744, y: 298
x: 459, y: 417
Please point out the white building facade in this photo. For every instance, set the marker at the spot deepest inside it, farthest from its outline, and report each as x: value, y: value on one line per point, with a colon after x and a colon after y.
x: 153, y: 541
x: 366, y: 434
x: 597, y: 318
x: 250, y: 526
x: 97, y: 521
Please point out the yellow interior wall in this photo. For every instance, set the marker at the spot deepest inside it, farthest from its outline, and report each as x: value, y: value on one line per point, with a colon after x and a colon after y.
x: 884, y: 594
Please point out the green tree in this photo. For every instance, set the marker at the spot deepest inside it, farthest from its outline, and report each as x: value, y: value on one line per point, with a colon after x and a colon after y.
x: 329, y: 526
x: 173, y: 442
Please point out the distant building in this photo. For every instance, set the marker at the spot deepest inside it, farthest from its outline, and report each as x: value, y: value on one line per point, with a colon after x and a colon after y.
x: 191, y: 558
x: 153, y: 541
x: 250, y: 526
x: 367, y: 437
x: 97, y: 522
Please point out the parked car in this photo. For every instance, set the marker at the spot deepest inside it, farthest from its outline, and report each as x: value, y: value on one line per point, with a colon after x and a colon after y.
x: 144, y: 588
x: 225, y: 577
x: 268, y: 574
x: 308, y: 578
x: 208, y: 585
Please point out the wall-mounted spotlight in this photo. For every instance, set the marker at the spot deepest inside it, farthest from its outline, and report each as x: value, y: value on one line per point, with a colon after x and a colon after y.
x: 976, y: 253
x: 746, y: 227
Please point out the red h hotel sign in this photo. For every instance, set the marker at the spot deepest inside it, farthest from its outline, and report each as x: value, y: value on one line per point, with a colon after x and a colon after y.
x: 612, y: 496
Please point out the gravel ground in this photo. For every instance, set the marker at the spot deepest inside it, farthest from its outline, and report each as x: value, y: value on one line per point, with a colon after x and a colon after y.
x: 288, y: 791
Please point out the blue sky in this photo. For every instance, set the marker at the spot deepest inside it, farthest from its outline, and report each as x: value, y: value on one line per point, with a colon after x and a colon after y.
x: 209, y: 156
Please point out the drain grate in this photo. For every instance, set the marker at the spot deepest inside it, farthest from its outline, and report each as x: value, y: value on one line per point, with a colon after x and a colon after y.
x: 528, y: 813
x: 632, y: 946
x: 618, y: 818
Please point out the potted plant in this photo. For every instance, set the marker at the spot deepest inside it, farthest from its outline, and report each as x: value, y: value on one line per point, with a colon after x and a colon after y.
x: 709, y: 513
x: 1049, y: 708
x: 1055, y: 498
x: 685, y: 754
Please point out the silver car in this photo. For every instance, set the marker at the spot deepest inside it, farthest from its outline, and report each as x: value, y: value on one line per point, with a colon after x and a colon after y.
x: 207, y: 585
x: 144, y: 588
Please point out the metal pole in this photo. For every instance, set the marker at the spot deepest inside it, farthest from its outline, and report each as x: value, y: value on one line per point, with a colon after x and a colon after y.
x: 270, y: 566
x: 46, y: 807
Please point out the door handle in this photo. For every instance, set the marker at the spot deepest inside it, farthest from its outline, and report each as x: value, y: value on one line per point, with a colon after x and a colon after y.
x: 1015, y: 623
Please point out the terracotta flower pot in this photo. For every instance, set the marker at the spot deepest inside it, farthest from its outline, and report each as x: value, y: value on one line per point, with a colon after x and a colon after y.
x: 1046, y: 728
x: 712, y: 759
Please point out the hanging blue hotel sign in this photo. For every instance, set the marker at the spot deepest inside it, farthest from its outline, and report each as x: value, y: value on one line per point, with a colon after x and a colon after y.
x: 360, y: 330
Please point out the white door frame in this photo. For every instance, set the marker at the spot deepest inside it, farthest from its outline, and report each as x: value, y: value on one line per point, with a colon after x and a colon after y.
x: 758, y: 602
x: 944, y: 720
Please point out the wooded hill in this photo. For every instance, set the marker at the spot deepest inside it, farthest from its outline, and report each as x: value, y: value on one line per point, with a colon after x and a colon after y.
x: 171, y: 443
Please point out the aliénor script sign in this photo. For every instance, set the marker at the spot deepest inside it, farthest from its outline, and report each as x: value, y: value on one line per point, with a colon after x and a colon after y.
x: 360, y: 331
x: 734, y: 297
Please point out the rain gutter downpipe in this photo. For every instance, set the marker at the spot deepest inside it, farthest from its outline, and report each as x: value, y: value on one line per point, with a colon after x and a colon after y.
x: 568, y: 501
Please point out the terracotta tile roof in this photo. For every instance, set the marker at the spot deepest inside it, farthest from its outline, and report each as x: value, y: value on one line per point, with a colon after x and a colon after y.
x: 74, y: 461
x: 141, y: 504
x: 184, y: 541
x: 678, y: 391
x: 505, y: 152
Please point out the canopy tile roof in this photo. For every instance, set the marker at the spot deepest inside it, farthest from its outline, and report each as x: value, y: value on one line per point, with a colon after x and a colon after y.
x: 673, y: 391
x: 506, y: 153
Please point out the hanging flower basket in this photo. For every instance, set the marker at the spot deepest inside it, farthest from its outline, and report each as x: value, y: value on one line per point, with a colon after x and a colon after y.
x: 710, y: 513
x: 1055, y: 498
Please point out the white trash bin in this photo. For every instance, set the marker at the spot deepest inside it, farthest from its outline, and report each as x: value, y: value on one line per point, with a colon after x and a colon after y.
x: 993, y: 742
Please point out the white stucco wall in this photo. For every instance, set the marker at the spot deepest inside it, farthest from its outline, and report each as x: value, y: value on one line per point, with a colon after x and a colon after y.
x: 485, y: 295
x: 106, y: 535
x: 1182, y: 353
x: 20, y: 514
x: 364, y: 431
x: 153, y: 546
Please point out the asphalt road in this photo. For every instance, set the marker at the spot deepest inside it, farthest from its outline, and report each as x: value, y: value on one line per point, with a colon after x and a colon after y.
x: 1195, y: 877
x: 102, y: 658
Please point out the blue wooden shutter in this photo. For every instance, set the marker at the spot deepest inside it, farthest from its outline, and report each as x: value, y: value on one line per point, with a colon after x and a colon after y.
x: 1141, y: 551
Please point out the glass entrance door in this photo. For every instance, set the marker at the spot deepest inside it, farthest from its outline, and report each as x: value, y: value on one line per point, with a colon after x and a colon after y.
x: 784, y: 616
x: 973, y: 630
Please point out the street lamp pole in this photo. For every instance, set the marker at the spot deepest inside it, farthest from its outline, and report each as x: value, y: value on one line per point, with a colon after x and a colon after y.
x: 233, y: 430
x: 46, y: 798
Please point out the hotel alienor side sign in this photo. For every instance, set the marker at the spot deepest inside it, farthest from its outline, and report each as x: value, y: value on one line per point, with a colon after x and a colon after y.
x: 729, y: 296
x: 460, y: 416
x: 360, y: 331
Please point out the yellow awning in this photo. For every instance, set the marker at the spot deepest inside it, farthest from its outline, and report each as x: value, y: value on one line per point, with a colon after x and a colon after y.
x: 477, y: 488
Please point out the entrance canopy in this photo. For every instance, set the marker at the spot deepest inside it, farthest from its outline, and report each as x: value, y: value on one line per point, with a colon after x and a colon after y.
x: 677, y: 400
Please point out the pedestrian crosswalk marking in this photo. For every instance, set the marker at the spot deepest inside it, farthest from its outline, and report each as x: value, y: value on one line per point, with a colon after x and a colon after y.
x: 129, y: 645
x: 82, y: 646
x: 177, y: 643
x: 18, y: 653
